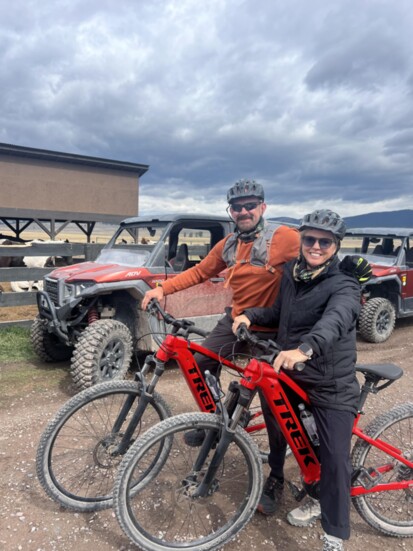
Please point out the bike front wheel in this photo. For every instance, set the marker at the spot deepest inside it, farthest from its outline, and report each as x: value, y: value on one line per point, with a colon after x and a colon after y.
x: 78, y: 457
x: 389, y: 512
x: 165, y: 514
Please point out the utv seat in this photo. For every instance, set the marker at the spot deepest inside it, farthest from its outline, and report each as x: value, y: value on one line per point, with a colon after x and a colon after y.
x: 181, y: 261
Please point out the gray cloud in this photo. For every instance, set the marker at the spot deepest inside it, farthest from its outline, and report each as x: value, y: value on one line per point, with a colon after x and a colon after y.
x: 312, y: 99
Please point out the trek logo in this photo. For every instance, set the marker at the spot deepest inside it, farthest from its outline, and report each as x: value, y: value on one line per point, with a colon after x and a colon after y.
x: 201, y: 389
x: 294, y: 431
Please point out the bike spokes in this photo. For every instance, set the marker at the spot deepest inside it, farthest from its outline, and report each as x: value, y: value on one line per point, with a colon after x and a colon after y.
x: 389, y: 511
x: 174, y: 509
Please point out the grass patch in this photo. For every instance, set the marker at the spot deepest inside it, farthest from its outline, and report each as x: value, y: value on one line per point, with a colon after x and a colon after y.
x: 15, y: 345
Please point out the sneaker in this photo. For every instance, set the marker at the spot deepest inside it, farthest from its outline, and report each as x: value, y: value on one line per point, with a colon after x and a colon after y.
x: 331, y: 544
x: 306, y: 514
x: 271, y: 496
x: 194, y: 438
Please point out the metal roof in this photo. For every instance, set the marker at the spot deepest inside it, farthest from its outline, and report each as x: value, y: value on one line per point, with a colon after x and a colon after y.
x: 57, y: 156
x: 385, y: 232
x: 173, y: 217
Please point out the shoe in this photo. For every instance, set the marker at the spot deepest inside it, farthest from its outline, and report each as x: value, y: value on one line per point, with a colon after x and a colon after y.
x: 271, y: 496
x: 306, y: 514
x: 330, y: 544
x: 194, y: 438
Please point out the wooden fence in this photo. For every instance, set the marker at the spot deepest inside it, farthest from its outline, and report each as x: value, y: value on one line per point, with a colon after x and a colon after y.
x: 78, y: 252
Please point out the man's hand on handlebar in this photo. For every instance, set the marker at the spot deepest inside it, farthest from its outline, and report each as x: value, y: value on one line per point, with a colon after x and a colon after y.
x: 237, y: 322
x: 157, y: 293
x: 287, y: 359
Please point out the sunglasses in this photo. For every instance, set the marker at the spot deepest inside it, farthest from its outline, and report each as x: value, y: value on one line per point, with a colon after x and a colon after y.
x: 237, y: 207
x: 310, y: 241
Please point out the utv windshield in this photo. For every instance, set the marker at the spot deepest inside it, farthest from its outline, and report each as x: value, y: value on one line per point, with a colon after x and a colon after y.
x: 132, y: 245
x: 375, y: 249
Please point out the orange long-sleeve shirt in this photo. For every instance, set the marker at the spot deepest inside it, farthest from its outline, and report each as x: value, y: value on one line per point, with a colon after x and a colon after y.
x: 251, y: 285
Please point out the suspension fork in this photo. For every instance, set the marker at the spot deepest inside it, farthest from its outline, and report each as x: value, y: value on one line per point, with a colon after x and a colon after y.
x: 224, y: 440
x: 145, y: 398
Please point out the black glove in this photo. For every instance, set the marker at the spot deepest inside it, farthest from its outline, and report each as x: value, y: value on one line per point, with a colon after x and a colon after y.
x: 357, y: 266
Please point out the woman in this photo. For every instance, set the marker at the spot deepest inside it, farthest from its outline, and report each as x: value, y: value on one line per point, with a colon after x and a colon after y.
x: 316, y: 313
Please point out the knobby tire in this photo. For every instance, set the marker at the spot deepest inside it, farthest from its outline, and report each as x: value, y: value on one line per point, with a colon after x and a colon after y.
x: 163, y: 515
x: 75, y: 461
x: 389, y: 512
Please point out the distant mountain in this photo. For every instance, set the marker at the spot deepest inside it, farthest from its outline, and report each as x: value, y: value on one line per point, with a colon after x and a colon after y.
x: 388, y: 219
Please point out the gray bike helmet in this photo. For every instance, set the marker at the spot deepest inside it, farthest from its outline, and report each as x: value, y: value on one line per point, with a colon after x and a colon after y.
x: 245, y: 188
x: 325, y: 220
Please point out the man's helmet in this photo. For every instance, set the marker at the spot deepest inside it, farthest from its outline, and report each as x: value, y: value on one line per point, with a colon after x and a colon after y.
x: 325, y: 220
x: 245, y: 188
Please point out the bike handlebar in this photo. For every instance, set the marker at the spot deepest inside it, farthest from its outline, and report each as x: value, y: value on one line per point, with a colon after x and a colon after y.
x: 186, y: 325
x: 268, y: 346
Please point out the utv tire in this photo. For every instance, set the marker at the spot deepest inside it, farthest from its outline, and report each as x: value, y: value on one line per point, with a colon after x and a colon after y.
x: 47, y: 345
x: 377, y: 320
x: 102, y: 353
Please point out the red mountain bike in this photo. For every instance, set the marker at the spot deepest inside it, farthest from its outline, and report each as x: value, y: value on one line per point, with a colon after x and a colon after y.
x: 81, y: 448
x: 198, y: 500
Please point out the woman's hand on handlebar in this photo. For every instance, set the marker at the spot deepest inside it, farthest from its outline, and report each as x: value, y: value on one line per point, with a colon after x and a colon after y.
x: 237, y: 322
x: 287, y: 359
x: 157, y: 293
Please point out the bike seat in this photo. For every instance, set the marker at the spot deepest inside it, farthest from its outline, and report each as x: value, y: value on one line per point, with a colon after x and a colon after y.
x: 390, y: 372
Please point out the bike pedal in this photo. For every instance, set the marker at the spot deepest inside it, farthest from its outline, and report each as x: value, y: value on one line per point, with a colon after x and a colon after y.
x: 297, y: 493
x: 369, y: 478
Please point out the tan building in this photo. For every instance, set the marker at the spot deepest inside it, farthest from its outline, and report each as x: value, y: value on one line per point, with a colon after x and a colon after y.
x: 53, y: 189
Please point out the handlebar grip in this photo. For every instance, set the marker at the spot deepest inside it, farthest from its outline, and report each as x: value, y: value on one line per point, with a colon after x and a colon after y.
x: 299, y: 366
x: 155, y: 308
x: 243, y: 334
x: 200, y: 332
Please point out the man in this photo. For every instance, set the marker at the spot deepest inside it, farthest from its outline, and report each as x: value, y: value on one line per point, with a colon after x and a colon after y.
x: 254, y: 256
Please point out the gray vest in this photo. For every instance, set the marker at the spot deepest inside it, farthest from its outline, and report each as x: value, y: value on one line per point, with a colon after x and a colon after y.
x: 259, y: 252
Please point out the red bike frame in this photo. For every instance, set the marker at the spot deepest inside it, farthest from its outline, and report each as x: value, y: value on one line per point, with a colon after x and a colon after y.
x: 177, y: 348
x: 259, y: 374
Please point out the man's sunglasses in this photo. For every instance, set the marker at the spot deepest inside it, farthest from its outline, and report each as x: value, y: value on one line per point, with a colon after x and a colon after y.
x: 237, y: 207
x: 310, y: 241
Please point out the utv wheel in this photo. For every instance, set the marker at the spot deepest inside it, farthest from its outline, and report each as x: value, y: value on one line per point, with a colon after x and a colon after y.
x: 102, y: 353
x: 46, y: 345
x: 377, y: 320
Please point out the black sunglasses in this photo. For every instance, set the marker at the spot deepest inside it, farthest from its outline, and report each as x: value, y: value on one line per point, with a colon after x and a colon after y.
x: 310, y: 241
x: 237, y: 207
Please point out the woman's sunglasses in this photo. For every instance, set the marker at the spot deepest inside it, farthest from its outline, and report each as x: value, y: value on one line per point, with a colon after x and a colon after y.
x: 237, y: 207
x: 310, y: 241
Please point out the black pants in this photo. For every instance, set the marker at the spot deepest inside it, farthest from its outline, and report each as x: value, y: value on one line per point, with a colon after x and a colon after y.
x: 223, y: 342
x: 334, y: 432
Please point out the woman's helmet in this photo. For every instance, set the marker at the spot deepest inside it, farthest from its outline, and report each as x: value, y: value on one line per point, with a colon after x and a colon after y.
x: 325, y: 220
x: 245, y: 188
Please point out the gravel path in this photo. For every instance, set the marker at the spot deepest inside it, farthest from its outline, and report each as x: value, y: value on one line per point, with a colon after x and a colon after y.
x: 30, y: 521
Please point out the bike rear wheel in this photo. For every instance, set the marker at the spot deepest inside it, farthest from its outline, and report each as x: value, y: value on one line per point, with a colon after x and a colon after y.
x: 77, y: 460
x: 389, y: 512
x: 164, y: 514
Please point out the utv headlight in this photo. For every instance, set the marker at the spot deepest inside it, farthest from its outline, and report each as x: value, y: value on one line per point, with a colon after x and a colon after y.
x: 73, y: 290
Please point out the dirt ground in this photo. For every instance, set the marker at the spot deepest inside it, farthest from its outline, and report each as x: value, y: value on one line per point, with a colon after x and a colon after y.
x: 32, y: 392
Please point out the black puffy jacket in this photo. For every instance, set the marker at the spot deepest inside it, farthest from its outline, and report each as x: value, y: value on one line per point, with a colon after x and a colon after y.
x: 322, y: 313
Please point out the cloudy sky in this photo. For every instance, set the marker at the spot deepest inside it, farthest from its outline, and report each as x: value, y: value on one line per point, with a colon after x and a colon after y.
x: 313, y: 99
